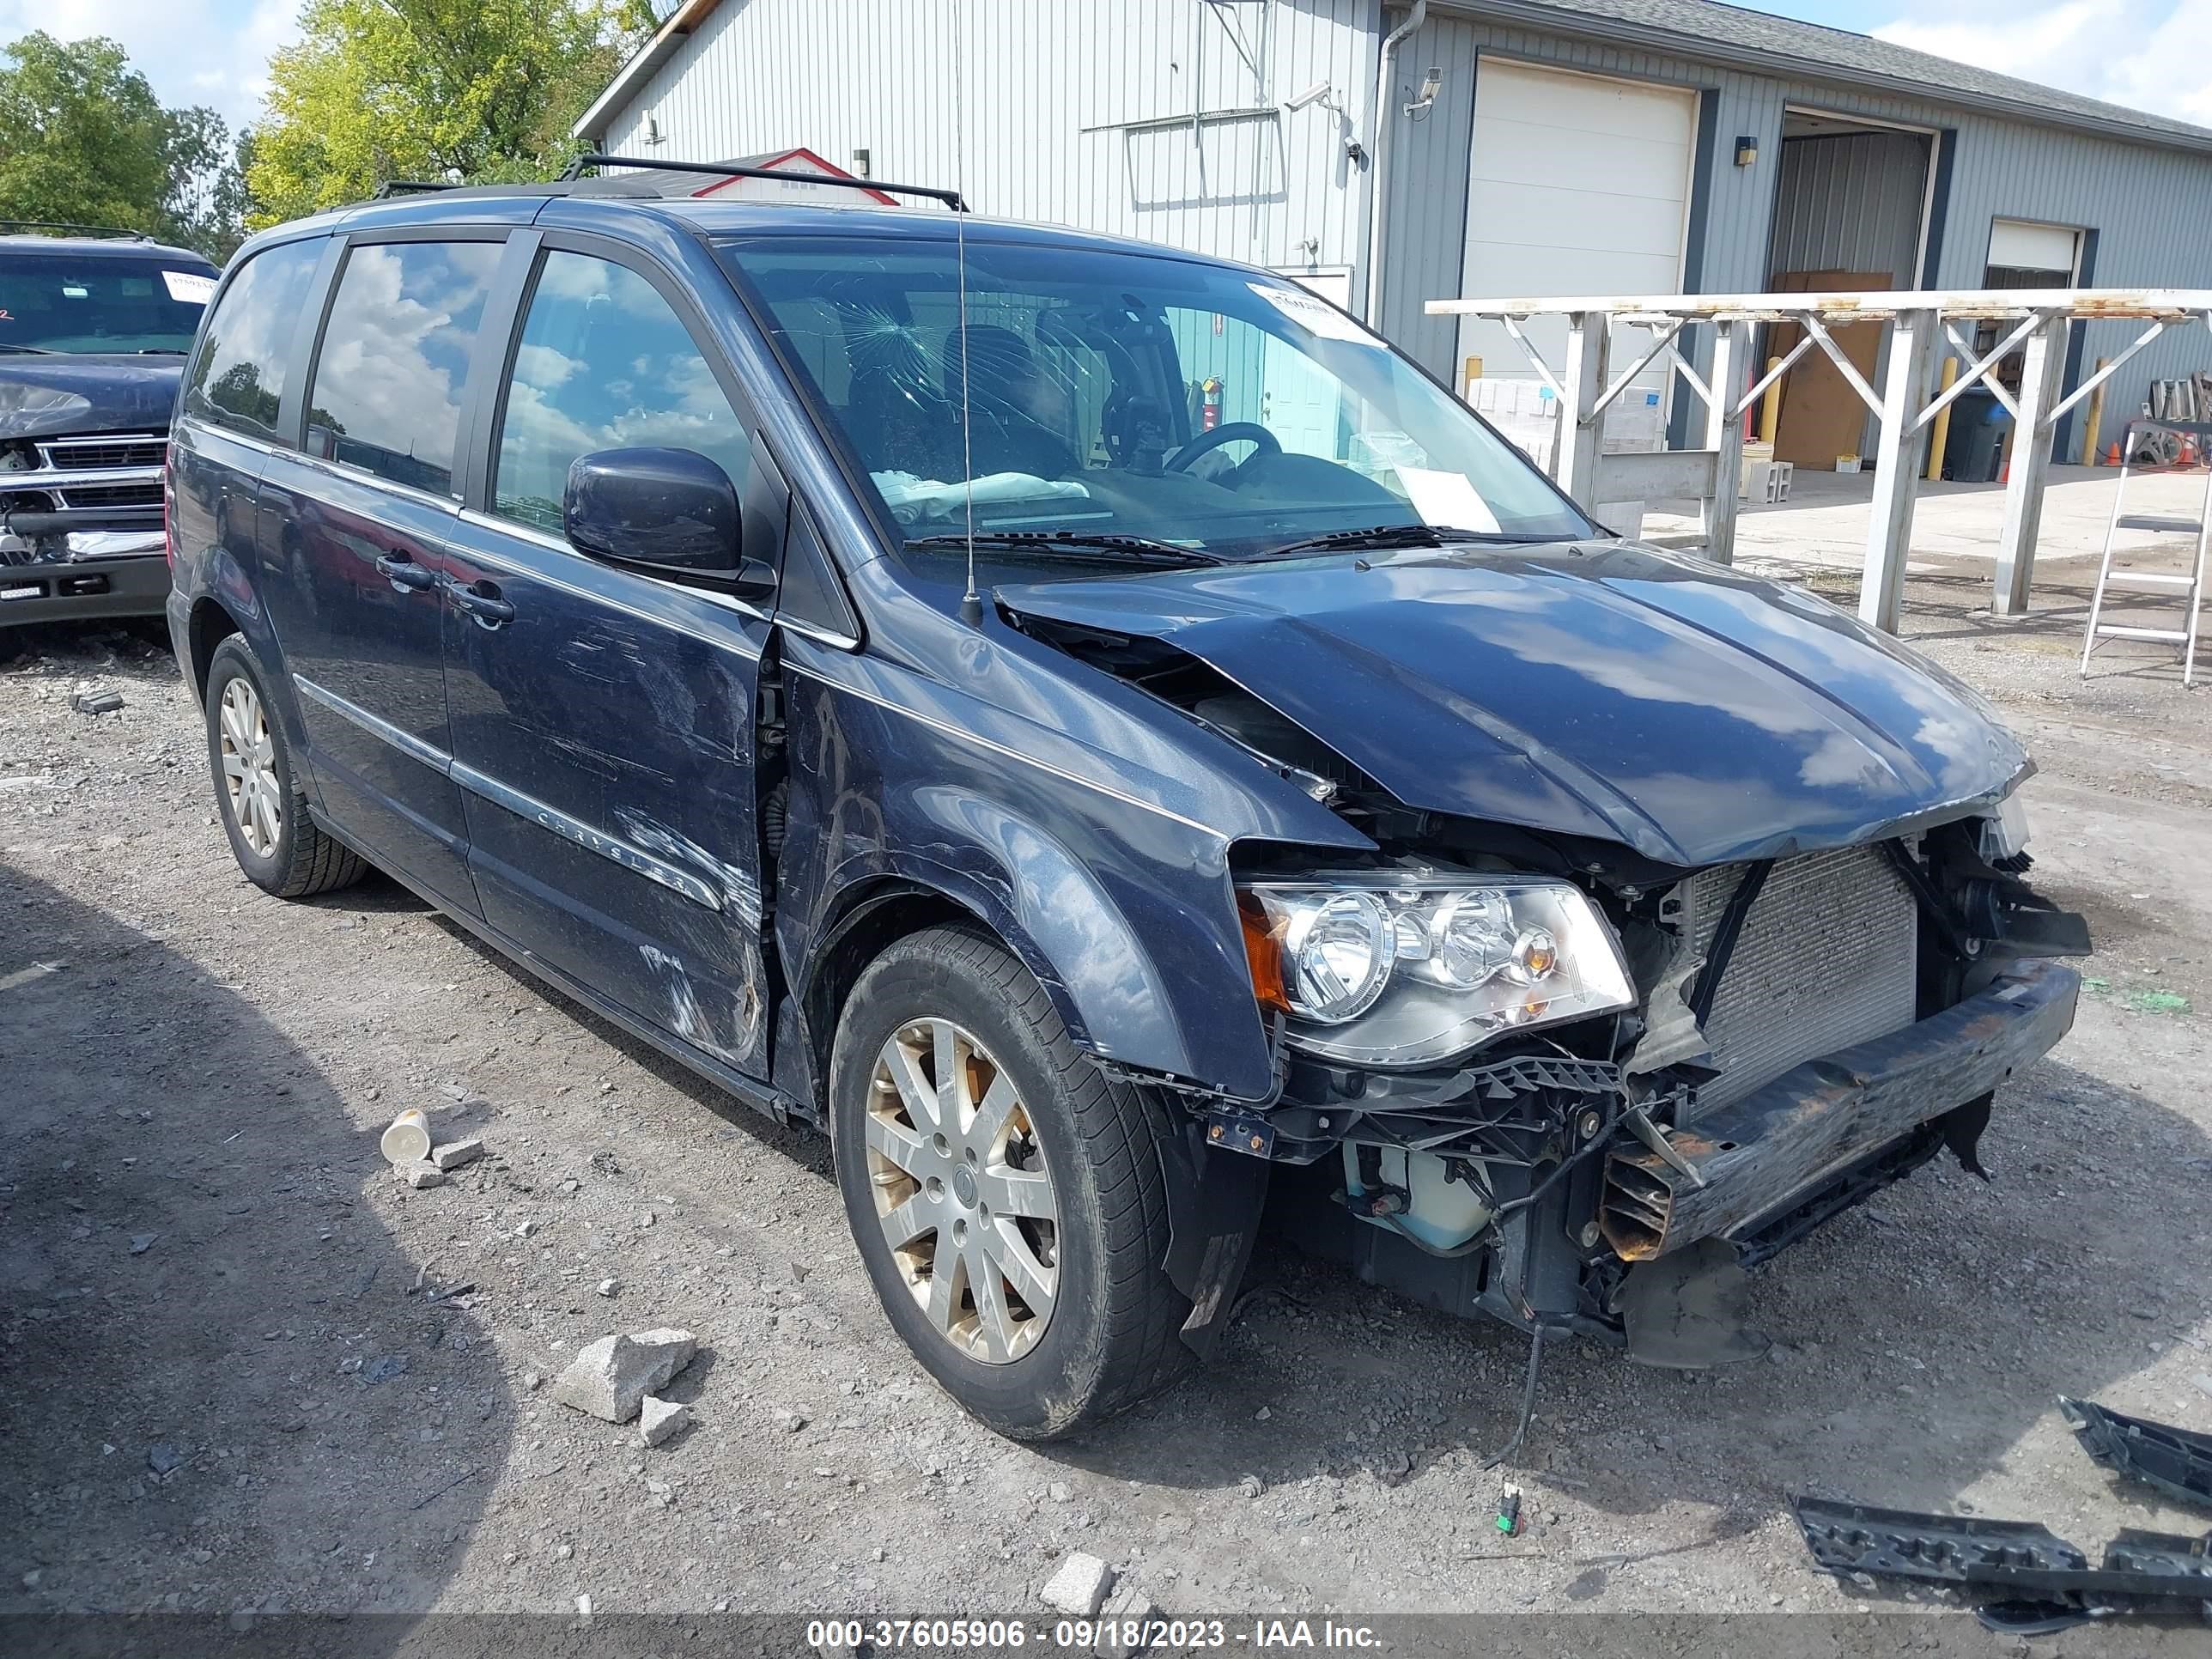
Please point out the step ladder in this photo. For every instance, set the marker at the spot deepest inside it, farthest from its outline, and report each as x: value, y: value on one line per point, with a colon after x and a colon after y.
x: 2190, y: 588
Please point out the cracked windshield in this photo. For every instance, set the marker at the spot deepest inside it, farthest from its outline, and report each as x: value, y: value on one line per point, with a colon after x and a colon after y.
x: 1117, y: 402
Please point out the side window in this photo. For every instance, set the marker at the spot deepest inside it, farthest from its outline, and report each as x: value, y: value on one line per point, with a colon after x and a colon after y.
x: 239, y: 381
x: 395, y: 358
x: 603, y: 363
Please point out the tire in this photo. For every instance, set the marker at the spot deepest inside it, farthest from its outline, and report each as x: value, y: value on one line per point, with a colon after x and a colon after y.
x: 1108, y: 1338
x: 283, y: 850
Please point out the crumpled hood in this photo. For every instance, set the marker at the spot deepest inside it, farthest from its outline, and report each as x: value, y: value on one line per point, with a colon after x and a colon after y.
x: 1694, y: 714
x: 87, y: 392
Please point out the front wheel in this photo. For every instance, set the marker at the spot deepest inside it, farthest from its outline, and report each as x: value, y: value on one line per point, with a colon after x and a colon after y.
x: 1006, y: 1196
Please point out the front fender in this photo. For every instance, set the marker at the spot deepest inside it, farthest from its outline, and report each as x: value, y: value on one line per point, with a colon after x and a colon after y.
x: 1053, y: 914
x: 1121, y: 906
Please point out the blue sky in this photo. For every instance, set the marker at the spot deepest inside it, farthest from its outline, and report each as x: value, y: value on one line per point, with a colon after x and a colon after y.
x: 2153, y: 54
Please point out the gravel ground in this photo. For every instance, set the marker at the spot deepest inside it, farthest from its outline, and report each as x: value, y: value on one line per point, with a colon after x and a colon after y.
x: 242, y: 1376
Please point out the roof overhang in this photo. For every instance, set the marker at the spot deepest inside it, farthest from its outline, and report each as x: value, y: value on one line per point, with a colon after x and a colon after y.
x: 1774, y: 62
x: 633, y: 76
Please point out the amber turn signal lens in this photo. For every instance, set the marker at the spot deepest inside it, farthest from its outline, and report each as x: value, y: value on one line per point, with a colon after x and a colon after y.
x: 1263, y: 950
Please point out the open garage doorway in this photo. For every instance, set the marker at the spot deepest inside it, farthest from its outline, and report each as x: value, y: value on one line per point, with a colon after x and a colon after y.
x: 1851, y: 213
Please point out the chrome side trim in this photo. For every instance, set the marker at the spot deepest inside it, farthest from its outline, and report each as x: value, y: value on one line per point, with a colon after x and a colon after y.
x: 950, y: 731
x: 486, y: 788
x: 405, y: 742
x: 230, y: 435
x: 575, y: 829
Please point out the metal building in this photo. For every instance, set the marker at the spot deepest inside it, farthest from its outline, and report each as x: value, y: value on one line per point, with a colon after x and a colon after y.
x: 1525, y: 147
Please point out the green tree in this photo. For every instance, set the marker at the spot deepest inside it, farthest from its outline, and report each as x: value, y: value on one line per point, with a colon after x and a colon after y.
x: 84, y: 140
x: 376, y: 90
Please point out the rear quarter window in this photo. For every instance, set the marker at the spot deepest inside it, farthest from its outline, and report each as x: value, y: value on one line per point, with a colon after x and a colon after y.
x: 239, y: 379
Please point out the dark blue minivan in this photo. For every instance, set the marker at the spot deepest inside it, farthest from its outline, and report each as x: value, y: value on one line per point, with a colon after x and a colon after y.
x: 1106, y: 738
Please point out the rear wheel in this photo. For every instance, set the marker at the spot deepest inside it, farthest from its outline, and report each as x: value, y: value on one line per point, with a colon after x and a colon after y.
x: 265, y: 809
x: 1006, y: 1196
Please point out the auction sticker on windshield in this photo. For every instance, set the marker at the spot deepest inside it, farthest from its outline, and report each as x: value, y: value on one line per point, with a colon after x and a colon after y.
x: 189, y: 287
x: 1312, y: 313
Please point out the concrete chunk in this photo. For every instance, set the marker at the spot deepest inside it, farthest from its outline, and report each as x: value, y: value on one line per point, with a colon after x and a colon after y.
x: 610, y: 1377
x: 1123, y: 1622
x: 422, y: 1175
x: 1080, y: 1586
x: 454, y: 1153
x: 658, y: 1418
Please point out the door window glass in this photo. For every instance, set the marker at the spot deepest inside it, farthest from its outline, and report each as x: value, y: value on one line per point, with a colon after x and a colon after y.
x: 395, y: 359
x: 239, y: 381
x: 603, y: 363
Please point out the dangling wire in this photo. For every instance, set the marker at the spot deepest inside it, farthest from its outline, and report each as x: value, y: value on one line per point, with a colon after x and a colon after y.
x: 971, y: 602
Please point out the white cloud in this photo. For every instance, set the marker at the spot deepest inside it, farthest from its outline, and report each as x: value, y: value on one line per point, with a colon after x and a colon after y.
x: 2150, y: 58
x: 214, y: 52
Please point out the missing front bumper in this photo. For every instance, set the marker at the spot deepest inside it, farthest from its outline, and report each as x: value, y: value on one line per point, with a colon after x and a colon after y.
x: 1762, y: 1156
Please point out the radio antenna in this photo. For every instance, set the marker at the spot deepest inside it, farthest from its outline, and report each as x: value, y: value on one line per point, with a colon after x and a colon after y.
x: 971, y: 602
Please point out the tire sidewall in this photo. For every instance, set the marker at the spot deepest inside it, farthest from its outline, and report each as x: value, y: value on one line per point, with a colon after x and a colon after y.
x: 234, y: 660
x: 1047, y: 1388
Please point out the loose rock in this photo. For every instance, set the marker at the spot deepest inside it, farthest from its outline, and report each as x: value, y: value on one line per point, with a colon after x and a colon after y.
x: 96, y: 703
x: 659, y: 1418
x: 421, y: 1175
x: 455, y: 1153
x: 1125, y: 1613
x: 162, y: 1457
x: 1079, y: 1588
x: 610, y: 1286
x: 610, y: 1377
x: 142, y: 1243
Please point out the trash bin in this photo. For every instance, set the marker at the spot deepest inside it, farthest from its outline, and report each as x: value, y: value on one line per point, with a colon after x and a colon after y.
x: 1974, y: 452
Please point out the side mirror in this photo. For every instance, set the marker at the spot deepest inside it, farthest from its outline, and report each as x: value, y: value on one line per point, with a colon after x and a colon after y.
x: 669, y: 512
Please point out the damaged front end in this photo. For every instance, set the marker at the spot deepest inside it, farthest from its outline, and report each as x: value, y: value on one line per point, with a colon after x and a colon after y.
x: 1803, y: 1032
x: 81, y: 509
x: 1694, y: 917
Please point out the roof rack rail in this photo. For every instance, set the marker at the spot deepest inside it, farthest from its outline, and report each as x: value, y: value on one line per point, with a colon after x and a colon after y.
x: 952, y: 199
x: 391, y: 187
x: 8, y: 226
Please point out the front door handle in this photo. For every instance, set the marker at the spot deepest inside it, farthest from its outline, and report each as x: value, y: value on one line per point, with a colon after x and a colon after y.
x: 481, y: 601
x: 404, y: 574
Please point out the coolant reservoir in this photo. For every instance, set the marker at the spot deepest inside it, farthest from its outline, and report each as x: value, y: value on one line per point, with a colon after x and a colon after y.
x: 1442, y: 1213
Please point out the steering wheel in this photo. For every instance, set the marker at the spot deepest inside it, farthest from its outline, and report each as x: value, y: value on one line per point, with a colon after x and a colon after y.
x: 1206, y: 442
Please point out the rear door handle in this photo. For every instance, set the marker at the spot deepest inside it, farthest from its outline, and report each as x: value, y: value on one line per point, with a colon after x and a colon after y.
x: 404, y: 574
x: 482, y: 601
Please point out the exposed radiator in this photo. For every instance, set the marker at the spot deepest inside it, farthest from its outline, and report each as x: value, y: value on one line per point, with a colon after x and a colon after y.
x: 1827, y: 957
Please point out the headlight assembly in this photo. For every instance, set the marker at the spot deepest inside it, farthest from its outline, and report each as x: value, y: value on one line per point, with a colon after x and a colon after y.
x: 1400, y: 968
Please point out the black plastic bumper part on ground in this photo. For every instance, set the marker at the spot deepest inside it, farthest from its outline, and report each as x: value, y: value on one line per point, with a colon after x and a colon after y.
x: 136, y: 584
x: 2015, y: 1558
x: 1734, y: 1169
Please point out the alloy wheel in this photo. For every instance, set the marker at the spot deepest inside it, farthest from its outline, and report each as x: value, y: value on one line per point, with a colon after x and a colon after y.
x: 249, y: 768
x: 961, y: 1191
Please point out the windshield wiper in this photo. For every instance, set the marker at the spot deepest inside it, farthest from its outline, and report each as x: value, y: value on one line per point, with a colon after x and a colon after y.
x: 1394, y: 535
x: 1142, y: 549
x: 29, y: 352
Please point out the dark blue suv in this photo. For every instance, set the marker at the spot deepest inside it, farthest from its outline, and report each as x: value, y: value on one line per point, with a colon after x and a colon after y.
x: 1105, y: 737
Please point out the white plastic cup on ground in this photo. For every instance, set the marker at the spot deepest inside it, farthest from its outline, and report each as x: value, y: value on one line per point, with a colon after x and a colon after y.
x: 407, y: 1140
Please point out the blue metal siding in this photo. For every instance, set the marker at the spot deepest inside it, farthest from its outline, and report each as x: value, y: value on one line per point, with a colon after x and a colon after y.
x: 1045, y: 85
x: 1046, y: 82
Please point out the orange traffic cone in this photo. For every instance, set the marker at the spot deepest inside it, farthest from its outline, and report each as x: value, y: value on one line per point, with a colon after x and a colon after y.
x: 2188, y: 451
x: 2112, y: 456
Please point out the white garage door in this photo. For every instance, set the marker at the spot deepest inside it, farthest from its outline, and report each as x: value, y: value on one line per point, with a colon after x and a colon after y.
x: 1580, y: 185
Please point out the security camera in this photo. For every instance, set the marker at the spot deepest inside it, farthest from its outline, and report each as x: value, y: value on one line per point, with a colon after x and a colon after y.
x: 1312, y: 94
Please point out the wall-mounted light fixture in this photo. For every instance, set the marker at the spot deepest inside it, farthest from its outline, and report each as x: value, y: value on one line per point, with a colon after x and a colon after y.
x: 862, y: 160
x: 1746, y: 152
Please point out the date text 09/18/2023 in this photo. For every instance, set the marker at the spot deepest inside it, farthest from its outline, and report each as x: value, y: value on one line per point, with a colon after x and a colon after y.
x: 1086, y: 1635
